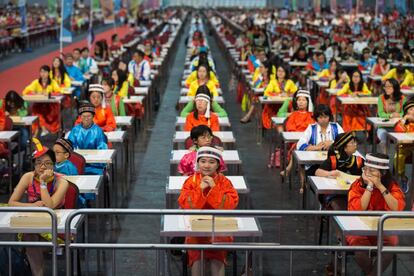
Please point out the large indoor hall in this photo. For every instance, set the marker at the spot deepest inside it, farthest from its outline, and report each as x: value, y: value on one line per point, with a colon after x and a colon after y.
x: 182, y: 137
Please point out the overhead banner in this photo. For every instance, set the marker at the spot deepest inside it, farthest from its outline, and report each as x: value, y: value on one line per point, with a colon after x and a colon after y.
x: 65, y: 25
x: 107, y: 7
x: 95, y: 5
x: 334, y: 7
x: 117, y: 6
x: 22, y: 11
x: 52, y: 8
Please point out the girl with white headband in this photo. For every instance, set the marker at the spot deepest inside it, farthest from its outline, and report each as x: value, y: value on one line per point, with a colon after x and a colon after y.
x: 103, y: 117
x: 201, y: 114
x: 376, y: 190
x: 299, y: 119
x: 208, y: 189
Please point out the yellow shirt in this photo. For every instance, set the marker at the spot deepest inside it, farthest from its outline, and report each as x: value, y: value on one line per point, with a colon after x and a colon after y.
x: 66, y: 80
x: 325, y: 73
x: 36, y: 88
x: 123, y: 92
x: 408, y: 80
x: 256, y: 73
x: 392, y: 74
x: 193, y: 76
x: 274, y: 88
x: 347, y: 91
x: 194, y: 86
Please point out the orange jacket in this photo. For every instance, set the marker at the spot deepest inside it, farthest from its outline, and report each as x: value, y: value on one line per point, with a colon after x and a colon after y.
x: 212, y: 122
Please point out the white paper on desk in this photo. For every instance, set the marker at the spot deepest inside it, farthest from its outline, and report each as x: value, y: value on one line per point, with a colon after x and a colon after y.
x: 346, y: 179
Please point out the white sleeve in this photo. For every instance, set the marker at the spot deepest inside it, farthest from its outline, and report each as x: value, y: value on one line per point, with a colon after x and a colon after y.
x: 340, y: 130
x: 304, y: 140
x: 147, y: 71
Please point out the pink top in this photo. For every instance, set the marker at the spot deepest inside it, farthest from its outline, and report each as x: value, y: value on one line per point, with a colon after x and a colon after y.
x: 188, y: 164
x: 33, y: 190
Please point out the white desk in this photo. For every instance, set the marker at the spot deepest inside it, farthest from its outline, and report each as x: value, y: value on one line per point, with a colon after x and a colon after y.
x: 86, y: 183
x: 145, y: 83
x: 278, y: 120
x: 229, y: 156
x: 116, y: 136
x: 408, y: 92
x: 42, y: 99
x: 175, y: 184
x: 141, y: 90
x: 184, y: 90
x: 375, y: 77
x: 97, y: 156
x: 298, y: 63
x: 124, y: 120
x: 309, y: 157
x: 358, y: 100
x: 332, y: 91
x: 24, y: 121
x: 8, y: 136
x: 63, y: 214
x: 273, y: 99
x: 258, y: 91
x: 187, y: 99
x: 179, y: 226
x: 322, y: 84
x: 376, y: 123
x: 134, y: 100
x: 76, y: 83
x: 225, y: 136
x: 223, y: 122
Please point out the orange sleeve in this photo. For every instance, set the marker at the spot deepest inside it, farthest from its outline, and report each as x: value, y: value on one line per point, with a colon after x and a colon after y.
x: 354, y: 196
x: 2, y: 119
x: 189, y: 122
x: 396, y: 192
x: 110, y: 120
x: 214, y: 123
x: 191, y: 196
x: 223, y: 195
x: 399, y: 127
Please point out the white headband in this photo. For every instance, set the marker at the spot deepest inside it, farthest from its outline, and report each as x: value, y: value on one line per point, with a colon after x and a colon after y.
x: 306, y: 93
x: 377, y: 163
x: 98, y: 88
x: 206, y: 98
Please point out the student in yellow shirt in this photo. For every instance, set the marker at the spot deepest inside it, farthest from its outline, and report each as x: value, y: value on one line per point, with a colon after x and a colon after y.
x: 194, y: 76
x: 354, y: 115
x: 280, y: 86
x: 48, y: 113
x: 59, y: 74
x: 203, y: 78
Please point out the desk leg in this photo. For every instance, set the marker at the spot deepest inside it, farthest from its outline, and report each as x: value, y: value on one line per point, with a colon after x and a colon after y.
x: 284, y: 160
x: 374, y: 134
x: 10, y: 157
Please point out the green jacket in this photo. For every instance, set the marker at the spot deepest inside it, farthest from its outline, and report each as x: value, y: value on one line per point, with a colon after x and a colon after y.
x: 215, y: 107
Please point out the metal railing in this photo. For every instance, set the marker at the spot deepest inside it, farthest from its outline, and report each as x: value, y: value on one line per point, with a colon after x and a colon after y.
x: 53, y: 244
x: 234, y: 213
x: 380, y: 234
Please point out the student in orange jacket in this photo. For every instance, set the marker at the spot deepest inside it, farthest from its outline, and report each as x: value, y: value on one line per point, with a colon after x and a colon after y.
x: 376, y: 190
x: 201, y: 114
x: 208, y: 189
x: 104, y: 117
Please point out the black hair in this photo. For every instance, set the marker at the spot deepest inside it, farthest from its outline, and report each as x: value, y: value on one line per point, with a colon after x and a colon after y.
x: 47, y: 69
x: 200, y: 130
x: 294, y: 101
x: 122, y: 77
x: 51, y: 155
x: 109, y: 81
x: 322, y: 109
x: 360, y: 84
x: 382, y: 56
x: 85, y: 49
x: 364, y: 51
x: 205, y: 65
x: 341, y: 150
x: 140, y: 53
x: 286, y: 69
x: 202, y: 89
x: 13, y: 101
x: 332, y: 60
x: 62, y: 70
x: 77, y: 49
x: 114, y: 36
x: 396, y: 95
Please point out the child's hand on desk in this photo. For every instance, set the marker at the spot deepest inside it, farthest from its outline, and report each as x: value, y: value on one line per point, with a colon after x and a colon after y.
x: 334, y: 174
x: 326, y: 145
x: 39, y: 203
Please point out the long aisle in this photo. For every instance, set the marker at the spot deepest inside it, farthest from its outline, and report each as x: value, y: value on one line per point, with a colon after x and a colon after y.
x: 266, y: 188
x: 152, y: 161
